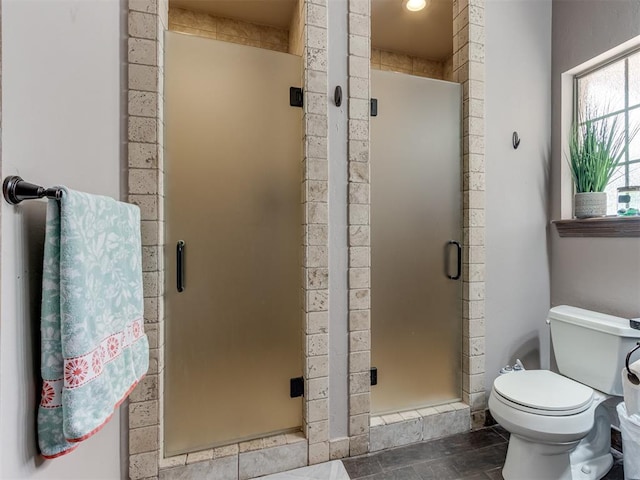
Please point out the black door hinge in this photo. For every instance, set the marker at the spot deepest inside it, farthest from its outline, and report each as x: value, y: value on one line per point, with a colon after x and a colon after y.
x: 296, y: 386
x: 374, y: 376
x: 374, y: 107
x: 295, y: 97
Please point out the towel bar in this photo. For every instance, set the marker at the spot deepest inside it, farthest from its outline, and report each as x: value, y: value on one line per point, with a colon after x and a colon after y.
x: 15, y: 189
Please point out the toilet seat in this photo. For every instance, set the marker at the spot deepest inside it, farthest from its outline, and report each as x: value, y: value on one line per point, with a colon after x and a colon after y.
x: 543, y: 392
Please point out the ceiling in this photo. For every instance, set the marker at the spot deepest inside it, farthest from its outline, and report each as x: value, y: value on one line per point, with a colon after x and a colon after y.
x: 426, y: 34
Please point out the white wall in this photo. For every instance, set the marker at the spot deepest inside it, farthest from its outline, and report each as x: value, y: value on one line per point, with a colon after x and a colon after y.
x: 60, y: 114
x: 518, y: 91
x: 595, y: 273
x: 338, y: 251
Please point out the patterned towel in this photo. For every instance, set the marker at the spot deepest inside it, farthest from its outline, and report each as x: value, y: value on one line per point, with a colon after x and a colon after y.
x: 94, y: 349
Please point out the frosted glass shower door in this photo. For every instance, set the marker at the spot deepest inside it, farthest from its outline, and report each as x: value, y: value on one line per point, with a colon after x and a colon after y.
x: 415, y: 213
x: 233, y: 173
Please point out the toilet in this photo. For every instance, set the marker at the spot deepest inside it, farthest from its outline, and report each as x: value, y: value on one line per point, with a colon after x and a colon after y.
x: 560, y: 429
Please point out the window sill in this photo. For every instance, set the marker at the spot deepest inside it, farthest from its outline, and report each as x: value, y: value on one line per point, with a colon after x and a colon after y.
x: 599, y: 227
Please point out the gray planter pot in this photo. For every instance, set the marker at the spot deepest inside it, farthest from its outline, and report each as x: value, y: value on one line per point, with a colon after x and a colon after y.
x: 590, y: 204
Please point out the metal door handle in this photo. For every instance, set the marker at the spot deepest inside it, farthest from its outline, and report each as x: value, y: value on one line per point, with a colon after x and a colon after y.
x: 180, y: 265
x: 459, y: 251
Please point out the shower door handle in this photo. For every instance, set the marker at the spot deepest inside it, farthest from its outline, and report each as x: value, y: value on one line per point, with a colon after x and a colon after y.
x: 180, y: 265
x: 459, y: 261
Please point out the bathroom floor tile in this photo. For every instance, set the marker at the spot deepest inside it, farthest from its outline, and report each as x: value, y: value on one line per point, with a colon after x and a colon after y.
x: 477, y: 455
x: 466, y: 456
x: 416, y: 453
x: 359, y: 467
x: 325, y: 471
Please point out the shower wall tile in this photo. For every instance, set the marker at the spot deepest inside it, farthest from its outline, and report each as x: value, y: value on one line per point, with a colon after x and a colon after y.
x: 143, y: 25
x: 412, y: 426
x: 219, y: 469
x: 396, y: 434
x: 143, y: 51
x: 338, y: 449
x: 396, y: 61
x: 359, y: 61
x: 359, y: 215
x: 228, y: 30
x: 146, y: 24
x: 400, y: 62
x: 144, y: 439
x: 316, y: 367
x: 227, y: 450
x: 358, y: 444
x: 199, y: 456
x: 318, y: 452
x: 143, y: 465
x: 318, y: 431
x: 475, y: 328
x: 317, y: 322
x: 296, y: 27
x: 311, y: 21
x: 359, y: 362
x: 359, y: 278
x: 143, y: 414
x: 317, y: 278
x: 270, y: 460
x: 359, y: 320
x: 175, y: 461
x: 446, y: 423
x: 359, y: 404
x: 147, y: 6
x: 359, y: 341
x: 473, y: 365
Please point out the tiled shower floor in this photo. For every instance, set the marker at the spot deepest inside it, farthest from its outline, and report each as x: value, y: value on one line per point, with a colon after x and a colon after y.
x: 475, y: 455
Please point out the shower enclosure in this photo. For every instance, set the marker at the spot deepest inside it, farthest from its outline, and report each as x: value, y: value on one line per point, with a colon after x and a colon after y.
x: 416, y: 226
x: 233, y: 236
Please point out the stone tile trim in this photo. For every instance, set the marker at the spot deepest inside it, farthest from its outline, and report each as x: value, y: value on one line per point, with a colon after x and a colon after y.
x: 359, y: 62
x: 241, y: 460
x: 147, y: 21
x: 397, y: 429
x: 315, y: 291
x: 468, y: 70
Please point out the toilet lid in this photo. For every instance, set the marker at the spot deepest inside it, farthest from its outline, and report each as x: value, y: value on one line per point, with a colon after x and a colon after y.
x: 544, y: 390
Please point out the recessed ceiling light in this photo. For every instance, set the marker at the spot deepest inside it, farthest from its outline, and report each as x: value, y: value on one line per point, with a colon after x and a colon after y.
x: 414, y: 5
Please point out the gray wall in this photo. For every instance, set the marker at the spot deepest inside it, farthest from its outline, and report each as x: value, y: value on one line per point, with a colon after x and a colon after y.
x: 598, y: 274
x: 518, y: 90
x: 60, y: 107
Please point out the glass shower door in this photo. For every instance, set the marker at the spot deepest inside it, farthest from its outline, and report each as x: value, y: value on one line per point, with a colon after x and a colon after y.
x: 233, y: 173
x: 416, y: 312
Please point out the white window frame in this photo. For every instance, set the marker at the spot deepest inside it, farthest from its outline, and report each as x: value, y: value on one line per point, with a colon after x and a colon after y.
x: 625, y: 161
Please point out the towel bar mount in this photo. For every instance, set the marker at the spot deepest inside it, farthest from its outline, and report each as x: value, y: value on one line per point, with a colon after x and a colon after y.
x: 15, y: 190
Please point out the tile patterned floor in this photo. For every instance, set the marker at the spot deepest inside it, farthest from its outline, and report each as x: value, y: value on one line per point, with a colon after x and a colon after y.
x: 476, y: 455
x: 324, y: 471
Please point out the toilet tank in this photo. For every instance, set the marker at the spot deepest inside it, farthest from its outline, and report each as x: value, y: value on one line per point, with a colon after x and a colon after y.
x: 591, y: 347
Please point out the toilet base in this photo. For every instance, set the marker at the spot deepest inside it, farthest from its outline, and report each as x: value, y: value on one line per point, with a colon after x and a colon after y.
x: 527, y: 460
x: 593, y: 469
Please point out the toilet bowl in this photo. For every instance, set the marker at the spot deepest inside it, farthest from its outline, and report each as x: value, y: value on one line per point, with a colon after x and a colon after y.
x: 560, y: 429
x: 552, y: 421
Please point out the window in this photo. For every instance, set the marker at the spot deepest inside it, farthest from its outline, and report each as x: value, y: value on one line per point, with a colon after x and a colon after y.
x: 612, y: 90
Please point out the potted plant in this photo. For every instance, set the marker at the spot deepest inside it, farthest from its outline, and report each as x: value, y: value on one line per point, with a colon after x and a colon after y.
x: 596, y: 146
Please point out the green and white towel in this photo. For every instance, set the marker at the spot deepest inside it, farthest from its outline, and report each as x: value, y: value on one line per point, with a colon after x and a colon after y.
x: 94, y: 349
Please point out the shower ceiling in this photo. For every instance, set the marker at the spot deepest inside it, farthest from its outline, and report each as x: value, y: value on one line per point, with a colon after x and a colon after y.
x: 426, y: 34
